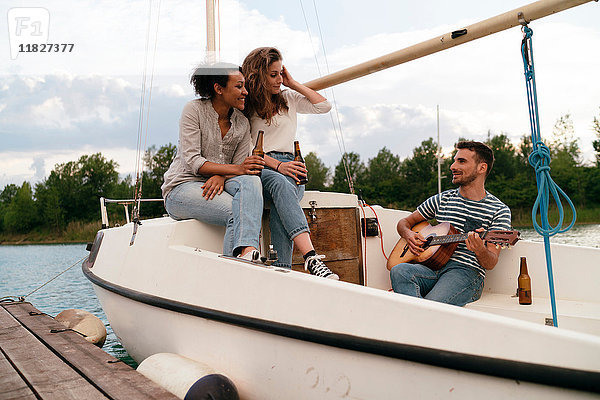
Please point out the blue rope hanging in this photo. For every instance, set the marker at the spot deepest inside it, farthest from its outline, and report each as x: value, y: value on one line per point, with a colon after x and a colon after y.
x: 540, y: 161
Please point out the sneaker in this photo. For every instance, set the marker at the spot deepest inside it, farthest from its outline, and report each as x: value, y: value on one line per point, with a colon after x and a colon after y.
x: 315, y: 266
x: 252, y: 255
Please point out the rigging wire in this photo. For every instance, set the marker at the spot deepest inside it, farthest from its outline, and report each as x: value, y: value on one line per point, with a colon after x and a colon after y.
x: 22, y: 298
x: 142, y: 103
x: 143, y: 122
x: 540, y: 161
x: 339, y: 137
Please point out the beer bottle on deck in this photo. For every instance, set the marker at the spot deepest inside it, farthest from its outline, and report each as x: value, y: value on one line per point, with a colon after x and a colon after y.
x: 298, y: 157
x: 524, y: 284
x: 258, y: 149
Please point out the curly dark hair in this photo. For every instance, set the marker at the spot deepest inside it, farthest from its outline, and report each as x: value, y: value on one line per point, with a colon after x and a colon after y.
x: 255, y: 69
x: 483, y: 152
x: 206, y: 75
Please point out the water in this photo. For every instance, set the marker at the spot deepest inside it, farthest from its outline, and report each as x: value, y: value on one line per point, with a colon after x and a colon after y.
x: 25, y: 268
x: 580, y: 235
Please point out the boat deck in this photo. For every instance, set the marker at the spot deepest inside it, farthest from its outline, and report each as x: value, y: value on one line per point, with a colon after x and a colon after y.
x: 574, y: 315
x: 40, y: 359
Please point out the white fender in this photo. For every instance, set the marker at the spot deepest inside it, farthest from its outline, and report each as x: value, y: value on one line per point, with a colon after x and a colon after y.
x: 186, y: 378
x: 85, y: 323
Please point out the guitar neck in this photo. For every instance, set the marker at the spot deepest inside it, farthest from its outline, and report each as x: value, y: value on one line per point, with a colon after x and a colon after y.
x: 447, y: 239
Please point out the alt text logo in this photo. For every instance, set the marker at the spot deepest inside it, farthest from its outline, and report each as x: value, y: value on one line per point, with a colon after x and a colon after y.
x: 27, y: 26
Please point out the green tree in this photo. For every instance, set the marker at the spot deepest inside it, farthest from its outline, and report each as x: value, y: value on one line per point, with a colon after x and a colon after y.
x: 506, y: 167
x: 382, y: 178
x: 356, y: 170
x: 318, y: 173
x: 81, y: 183
x: 21, y: 213
x: 6, y: 196
x: 566, y: 160
x: 157, y: 162
x: 420, y: 174
x: 564, y: 147
x: 48, y: 204
x: 596, y: 143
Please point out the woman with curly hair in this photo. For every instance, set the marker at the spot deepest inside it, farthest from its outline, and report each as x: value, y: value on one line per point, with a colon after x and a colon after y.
x: 274, y: 111
x: 211, y: 178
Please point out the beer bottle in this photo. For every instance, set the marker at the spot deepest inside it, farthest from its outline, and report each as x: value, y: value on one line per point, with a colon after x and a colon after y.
x: 298, y: 157
x: 524, y: 284
x: 258, y: 149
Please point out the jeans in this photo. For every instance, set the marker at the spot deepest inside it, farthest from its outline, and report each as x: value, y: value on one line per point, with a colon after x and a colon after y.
x: 239, y: 208
x: 455, y: 283
x: 287, y: 220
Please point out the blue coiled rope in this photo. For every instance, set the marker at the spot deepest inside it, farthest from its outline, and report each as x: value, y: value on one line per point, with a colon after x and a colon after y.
x: 540, y: 161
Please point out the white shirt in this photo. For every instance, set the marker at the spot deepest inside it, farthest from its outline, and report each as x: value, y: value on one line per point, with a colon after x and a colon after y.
x: 281, y: 133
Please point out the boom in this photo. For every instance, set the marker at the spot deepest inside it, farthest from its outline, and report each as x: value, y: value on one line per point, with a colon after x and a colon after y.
x: 501, y: 22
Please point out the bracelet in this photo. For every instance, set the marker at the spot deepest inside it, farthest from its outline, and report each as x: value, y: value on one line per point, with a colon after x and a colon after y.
x: 277, y: 169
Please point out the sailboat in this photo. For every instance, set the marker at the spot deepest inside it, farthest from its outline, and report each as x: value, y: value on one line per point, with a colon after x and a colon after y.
x: 284, y: 334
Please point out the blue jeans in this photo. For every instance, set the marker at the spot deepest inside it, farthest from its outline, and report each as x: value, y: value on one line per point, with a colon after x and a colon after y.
x: 239, y: 208
x: 455, y: 283
x: 287, y: 220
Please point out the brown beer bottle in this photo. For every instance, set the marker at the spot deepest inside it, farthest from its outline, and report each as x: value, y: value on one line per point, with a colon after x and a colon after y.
x: 298, y: 157
x: 524, y: 284
x: 258, y: 149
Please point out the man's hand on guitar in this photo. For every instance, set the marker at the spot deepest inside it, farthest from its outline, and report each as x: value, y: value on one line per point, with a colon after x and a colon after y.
x: 414, y: 241
x: 474, y: 241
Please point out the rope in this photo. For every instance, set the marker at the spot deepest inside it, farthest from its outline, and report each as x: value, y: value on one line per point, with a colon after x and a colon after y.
x: 144, y: 120
x: 540, y: 161
x: 32, y: 292
x: 380, y: 231
x: 339, y: 137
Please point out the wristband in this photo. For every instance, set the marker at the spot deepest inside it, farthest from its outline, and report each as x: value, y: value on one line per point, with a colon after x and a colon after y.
x: 277, y: 169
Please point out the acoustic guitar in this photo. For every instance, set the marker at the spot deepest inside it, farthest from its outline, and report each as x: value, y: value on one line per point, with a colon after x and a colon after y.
x: 440, y: 242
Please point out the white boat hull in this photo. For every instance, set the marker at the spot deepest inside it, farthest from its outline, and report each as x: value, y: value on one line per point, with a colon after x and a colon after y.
x: 283, y: 334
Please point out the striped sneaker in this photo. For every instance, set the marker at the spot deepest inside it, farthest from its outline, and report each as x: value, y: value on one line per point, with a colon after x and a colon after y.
x: 315, y: 266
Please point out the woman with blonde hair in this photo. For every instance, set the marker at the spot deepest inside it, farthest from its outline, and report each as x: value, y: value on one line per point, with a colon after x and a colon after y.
x: 274, y: 111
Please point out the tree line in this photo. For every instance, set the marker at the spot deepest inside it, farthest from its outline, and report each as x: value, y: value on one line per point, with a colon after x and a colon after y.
x: 72, y: 190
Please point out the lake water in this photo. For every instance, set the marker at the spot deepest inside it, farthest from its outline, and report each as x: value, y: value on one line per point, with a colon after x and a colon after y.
x: 580, y: 235
x: 25, y: 268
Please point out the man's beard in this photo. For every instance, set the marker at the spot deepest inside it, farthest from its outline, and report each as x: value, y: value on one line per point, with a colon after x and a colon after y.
x: 466, y: 179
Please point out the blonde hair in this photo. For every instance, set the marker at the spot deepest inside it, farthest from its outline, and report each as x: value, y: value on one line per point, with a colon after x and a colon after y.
x: 260, y: 100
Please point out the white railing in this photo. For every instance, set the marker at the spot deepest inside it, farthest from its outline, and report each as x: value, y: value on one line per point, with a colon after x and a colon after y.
x: 124, y: 203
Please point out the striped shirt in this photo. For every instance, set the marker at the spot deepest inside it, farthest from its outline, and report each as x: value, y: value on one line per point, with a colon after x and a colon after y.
x: 466, y: 216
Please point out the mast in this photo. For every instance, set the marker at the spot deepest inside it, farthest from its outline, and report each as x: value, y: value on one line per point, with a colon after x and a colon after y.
x: 439, y: 152
x: 211, y: 37
x: 478, y: 30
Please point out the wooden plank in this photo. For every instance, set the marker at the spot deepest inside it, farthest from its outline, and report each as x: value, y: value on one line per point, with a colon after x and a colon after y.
x: 45, y: 373
x: 113, y: 377
x: 335, y: 233
x: 12, y: 385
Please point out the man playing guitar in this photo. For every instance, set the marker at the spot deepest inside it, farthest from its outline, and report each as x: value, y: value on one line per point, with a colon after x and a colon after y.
x: 469, y: 208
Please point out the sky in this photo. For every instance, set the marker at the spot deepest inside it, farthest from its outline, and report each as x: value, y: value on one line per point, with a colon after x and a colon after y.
x: 87, y: 98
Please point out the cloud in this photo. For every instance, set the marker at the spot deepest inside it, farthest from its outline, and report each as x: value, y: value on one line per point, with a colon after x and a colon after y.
x: 56, y: 109
x: 479, y: 87
x: 63, y: 111
x: 34, y: 166
x: 399, y: 127
x: 38, y: 166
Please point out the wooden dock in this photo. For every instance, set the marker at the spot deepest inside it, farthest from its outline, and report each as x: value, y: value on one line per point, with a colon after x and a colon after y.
x: 39, y: 359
